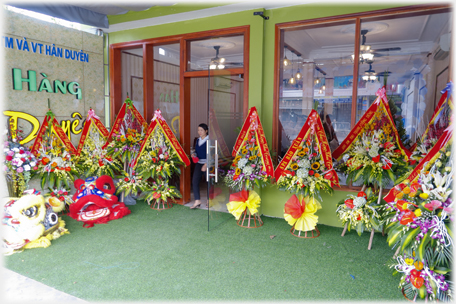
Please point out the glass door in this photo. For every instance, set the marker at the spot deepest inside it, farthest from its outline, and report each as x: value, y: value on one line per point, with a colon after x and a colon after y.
x: 225, y: 119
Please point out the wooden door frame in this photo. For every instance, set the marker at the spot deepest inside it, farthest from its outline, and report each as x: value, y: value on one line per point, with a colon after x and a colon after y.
x: 185, y: 76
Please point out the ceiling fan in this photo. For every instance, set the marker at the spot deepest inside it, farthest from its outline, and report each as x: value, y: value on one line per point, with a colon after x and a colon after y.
x: 220, y: 63
x: 371, y: 75
x: 367, y: 54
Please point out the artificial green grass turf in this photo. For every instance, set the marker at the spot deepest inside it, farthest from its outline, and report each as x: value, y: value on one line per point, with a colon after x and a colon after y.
x: 170, y: 255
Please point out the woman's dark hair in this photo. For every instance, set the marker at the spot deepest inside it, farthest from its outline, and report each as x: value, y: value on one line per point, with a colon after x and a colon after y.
x: 204, y: 126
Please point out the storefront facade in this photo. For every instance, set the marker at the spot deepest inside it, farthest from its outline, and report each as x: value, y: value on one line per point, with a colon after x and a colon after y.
x: 266, y: 80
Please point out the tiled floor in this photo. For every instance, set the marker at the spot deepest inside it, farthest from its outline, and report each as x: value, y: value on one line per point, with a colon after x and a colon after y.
x: 20, y: 289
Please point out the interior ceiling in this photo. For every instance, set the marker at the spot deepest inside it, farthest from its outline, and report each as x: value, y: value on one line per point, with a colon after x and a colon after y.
x: 331, y: 47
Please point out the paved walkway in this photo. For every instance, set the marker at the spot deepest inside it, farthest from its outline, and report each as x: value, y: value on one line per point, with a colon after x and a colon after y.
x: 20, y: 289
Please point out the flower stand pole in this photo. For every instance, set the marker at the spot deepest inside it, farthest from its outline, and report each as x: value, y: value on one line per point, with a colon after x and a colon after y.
x: 161, y: 205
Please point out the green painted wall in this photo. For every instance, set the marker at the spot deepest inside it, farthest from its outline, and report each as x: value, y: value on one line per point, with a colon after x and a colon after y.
x: 261, y: 78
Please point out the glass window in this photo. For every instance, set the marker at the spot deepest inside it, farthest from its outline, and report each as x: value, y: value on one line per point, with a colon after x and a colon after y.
x: 166, y: 83
x: 317, y: 73
x: 408, y: 55
x: 216, y: 53
x: 132, y: 77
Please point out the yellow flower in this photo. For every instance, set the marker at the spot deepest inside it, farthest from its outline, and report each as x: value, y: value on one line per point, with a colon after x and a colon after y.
x: 252, y: 157
x: 237, y: 158
x: 294, y: 166
x: 256, y: 148
x: 418, y: 212
x: 399, y: 195
x: 244, y: 151
x: 238, y: 171
x: 301, y: 153
x: 418, y: 265
x: 406, y: 190
x: 409, y: 261
x: 315, y: 165
x: 424, y: 195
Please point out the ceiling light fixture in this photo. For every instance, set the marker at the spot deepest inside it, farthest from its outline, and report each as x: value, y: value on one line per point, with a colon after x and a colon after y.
x: 217, y: 63
x: 286, y: 62
x: 292, y: 79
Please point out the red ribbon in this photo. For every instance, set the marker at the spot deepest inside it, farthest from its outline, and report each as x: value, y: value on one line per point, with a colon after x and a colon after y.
x: 294, y: 208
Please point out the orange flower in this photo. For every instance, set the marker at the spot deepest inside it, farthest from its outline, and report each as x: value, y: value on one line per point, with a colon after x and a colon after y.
x: 54, y: 164
x: 406, y: 190
x: 317, y: 175
x: 306, y: 149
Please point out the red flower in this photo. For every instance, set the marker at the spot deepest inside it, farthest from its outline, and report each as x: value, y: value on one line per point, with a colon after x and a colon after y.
x: 376, y: 159
x: 359, y: 217
x: 412, y: 162
x: 52, y: 194
x: 35, y: 168
x: 61, y: 198
x: 235, y: 177
x: 400, y: 205
x: 389, y: 145
x: 156, y: 195
x: 126, y: 179
x: 23, y: 159
x: 21, y: 151
x: 349, y: 203
x: 311, y: 172
x: 9, y: 158
x: 387, y: 166
x: 362, y: 194
x: 407, y: 217
x: 65, y: 193
x: 397, y: 151
x: 416, y: 280
x: 100, y: 163
x: 67, y: 168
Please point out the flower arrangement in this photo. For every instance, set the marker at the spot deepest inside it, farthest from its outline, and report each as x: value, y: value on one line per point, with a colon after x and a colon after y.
x: 305, y: 174
x: 158, y: 159
x: 126, y: 142
x: 131, y: 183
x: 360, y: 211
x: 94, y: 160
x: 56, y: 165
x: 418, y: 222
x: 374, y: 157
x: 246, y: 171
x: 19, y: 163
x: 160, y: 191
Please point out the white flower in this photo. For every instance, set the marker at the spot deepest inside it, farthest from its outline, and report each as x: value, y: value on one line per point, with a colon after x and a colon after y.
x: 247, y: 170
x: 345, y: 157
x: 32, y: 164
x: 304, y: 163
x: 358, y: 202
x: 373, y: 152
x: 27, y: 168
x: 161, y: 156
x: 302, y: 173
x: 15, y: 149
x: 242, y: 162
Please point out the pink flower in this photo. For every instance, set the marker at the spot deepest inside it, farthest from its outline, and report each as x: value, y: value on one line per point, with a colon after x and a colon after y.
x: 10, y: 153
x: 253, y: 165
x: 60, y: 192
x: 20, y: 170
x: 448, y: 210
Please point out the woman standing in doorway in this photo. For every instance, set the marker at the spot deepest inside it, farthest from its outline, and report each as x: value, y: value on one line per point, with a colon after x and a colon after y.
x: 201, y: 165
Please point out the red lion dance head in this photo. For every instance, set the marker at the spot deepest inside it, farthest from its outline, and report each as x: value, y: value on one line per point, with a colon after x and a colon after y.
x: 95, y: 202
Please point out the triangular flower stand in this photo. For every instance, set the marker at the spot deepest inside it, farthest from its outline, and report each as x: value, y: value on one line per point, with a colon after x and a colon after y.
x: 380, y: 105
x: 445, y: 100
x: 158, y: 123
x: 92, y: 123
x: 248, y: 220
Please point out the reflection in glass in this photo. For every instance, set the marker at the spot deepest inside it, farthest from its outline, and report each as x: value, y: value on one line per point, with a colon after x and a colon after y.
x: 132, y: 77
x: 216, y: 53
x: 317, y: 72
x: 166, y: 83
x: 408, y: 54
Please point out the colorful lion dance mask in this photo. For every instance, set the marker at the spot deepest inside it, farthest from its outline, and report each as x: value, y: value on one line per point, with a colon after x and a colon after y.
x: 30, y: 222
x: 95, y: 202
